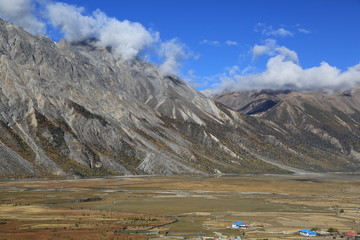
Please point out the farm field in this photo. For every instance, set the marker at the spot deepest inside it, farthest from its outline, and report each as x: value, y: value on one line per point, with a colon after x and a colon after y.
x: 273, y: 206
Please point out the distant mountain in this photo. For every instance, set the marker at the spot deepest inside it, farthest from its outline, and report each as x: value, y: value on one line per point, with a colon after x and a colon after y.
x: 73, y: 109
x: 321, y: 125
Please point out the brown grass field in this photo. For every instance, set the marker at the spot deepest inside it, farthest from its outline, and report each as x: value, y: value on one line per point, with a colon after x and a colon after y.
x: 274, y: 206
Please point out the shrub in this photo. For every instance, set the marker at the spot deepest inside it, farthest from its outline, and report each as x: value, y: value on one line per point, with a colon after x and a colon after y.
x: 332, y: 230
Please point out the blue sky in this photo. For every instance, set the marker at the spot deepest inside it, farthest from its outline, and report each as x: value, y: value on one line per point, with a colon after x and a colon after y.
x: 240, y: 44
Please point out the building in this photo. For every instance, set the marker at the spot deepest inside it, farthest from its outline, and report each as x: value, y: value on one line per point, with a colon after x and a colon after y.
x: 350, y: 235
x: 238, y: 225
x: 307, y: 233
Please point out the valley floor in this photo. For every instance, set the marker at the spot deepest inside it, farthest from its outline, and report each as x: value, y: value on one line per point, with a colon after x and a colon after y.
x: 273, y: 206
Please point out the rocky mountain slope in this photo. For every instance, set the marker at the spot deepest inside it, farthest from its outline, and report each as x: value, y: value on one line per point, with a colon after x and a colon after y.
x: 323, y: 124
x: 72, y: 109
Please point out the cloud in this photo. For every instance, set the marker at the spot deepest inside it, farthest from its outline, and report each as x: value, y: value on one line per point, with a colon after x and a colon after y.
x: 231, y: 43
x: 268, y: 30
x: 280, y: 32
x: 216, y: 43
x: 281, y: 73
x: 71, y: 22
x: 267, y: 48
x: 210, y: 42
x: 271, y: 48
x: 194, y: 80
x: 126, y: 39
x: 303, y: 30
x: 21, y: 12
x: 174, y: 52
x: 288, y: 54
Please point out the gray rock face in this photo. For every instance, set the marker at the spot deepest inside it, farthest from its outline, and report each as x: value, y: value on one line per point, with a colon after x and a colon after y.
x: 79, y: 110
x: 76, y: 110
x: 322, y: 124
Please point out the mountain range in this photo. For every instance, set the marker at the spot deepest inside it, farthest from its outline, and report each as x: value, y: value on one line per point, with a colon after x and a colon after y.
x: 77, y: 110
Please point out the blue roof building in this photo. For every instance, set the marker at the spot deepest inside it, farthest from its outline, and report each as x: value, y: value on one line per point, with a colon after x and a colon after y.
x: 238, y: 225
x: 307, y: 232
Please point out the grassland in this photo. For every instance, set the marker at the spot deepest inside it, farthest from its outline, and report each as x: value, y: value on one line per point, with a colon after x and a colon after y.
x: 275, y: 207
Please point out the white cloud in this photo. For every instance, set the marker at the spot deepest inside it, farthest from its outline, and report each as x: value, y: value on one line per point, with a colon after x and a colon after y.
x: 267, y: 48
x: 195, y: 81
x: 281, y: 73
x: 216, y: 43
x: 271, y: 48
x: 303, y: 30
x: 174, y: 52
x: 288, y: 54
x: 210, y: 42
x: 280, y: 32
x: 268, y: 30
x: 231, y: 43
x: 127, y: 39
x: 71, y: 22
x: 21, y: 12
